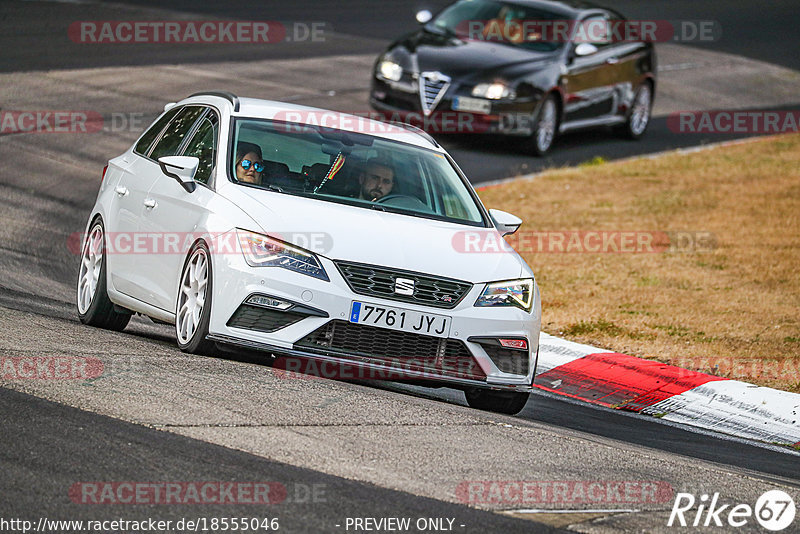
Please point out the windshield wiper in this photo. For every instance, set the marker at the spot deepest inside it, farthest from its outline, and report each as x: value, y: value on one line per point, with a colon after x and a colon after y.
x: 442, y: 30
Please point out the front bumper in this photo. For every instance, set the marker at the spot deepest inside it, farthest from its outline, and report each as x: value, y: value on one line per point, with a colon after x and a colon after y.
x: 235, y: 282
x: 401, y: 102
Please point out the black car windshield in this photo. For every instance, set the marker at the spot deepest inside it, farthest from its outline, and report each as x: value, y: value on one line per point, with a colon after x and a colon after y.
x: 351, y: 168
x: 501, y: 22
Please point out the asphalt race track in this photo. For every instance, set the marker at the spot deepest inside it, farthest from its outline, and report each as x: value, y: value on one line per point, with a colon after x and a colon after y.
x: 371, y: 450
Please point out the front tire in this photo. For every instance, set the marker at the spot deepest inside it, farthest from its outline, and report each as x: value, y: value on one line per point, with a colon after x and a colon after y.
x: 506, y: 402
x: 193, y: 308
x: 639, y: 117
x: 94, y: 306
x: 545, y: 125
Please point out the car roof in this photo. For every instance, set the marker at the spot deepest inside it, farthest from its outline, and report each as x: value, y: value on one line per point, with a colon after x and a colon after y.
x: 284, y: 111
x: 571, y: 8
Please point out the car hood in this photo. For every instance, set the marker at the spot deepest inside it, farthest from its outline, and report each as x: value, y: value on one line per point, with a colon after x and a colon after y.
x: 341, y: 232
x: 465, y: 59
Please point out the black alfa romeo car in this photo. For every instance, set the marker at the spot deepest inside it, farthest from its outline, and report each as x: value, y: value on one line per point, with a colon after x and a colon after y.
x: 529, y: 68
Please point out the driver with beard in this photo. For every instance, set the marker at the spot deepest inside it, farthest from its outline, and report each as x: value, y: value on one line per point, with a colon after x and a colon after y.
x: 376, y: 180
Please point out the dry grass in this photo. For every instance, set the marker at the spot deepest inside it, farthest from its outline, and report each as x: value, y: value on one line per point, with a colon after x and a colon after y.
x: 732, y: 311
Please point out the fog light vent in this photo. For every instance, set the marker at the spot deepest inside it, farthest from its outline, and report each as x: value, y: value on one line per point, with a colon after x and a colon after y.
x: 269, y: 302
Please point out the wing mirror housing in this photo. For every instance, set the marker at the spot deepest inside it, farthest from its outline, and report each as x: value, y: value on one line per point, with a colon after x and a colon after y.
x: 585, y: 49
x: 182, y: 169
x: 424, y: 16
x: 506, y: 223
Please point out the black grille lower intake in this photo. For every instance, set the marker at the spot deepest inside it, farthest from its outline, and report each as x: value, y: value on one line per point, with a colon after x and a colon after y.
x: 263, y: 319
x: 380, y: 282
x: 508, y: 360
x: 396, y: 350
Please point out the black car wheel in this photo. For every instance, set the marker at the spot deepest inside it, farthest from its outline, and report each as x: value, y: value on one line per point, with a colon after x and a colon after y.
x: 639, y: 117
x: 510, y: 403
x: 544, y: 127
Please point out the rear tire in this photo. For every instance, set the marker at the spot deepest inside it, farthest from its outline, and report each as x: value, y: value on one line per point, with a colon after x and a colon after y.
x: 193, y: 308
x: 639, y: 116
x: 510, y: 403
x: 94, y: 306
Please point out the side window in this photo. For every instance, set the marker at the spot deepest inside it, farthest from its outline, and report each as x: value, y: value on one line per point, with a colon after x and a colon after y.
x: 203, y: 145
x: 177, y: 130
x: 143, y: 145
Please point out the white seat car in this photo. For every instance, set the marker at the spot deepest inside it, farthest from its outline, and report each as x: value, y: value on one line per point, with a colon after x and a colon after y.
x: 317, y: 237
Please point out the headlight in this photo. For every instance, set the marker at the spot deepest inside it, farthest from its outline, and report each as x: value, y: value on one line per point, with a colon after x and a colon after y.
x: 262, y: 251
x: 517, y: 293
x: 390, y: 70
x: 493, y: 91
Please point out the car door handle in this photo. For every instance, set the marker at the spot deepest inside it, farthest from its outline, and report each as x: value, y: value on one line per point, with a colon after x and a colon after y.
x: 150, y: 203
x: 121, y: 190
x: 612, y: 60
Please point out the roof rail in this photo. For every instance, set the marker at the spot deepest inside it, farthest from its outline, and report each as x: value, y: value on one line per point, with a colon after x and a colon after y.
x: 227, y: 95
x: 419, y: 131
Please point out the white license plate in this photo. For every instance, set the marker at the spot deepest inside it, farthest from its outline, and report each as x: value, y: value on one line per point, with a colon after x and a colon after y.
x: 400, y: 319
x: 465, y: 103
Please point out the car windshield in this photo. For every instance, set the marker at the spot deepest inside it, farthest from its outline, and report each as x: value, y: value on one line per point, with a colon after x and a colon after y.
x: 351, y: 168
x: 501, y: 22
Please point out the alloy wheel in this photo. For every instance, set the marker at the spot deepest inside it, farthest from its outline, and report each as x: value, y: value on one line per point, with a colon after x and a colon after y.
x: 547, y: 125
x: 640, y: 115
x: 91, y: 263
x: 192, y: 296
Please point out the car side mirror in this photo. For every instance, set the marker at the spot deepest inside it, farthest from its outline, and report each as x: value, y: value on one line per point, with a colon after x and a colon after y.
x: 181, y: 168
x: 424, y: 16
x: 585, y: 49
x: 506, y: 223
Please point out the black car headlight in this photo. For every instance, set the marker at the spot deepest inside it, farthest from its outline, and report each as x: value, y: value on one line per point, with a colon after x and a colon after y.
x: 263, y: 251
x: 518, y: 293
x: 390, y: 70
x: 494, y: 91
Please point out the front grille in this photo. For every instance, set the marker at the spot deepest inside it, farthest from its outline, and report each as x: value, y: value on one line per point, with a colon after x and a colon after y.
x: 432, y: 87
x: 379, y: 282
x: 263, y: 319
x: 508, y: 360
x: 394, y: 349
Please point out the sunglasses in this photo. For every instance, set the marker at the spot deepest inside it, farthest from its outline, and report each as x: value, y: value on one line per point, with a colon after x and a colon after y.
x: 258, y: 166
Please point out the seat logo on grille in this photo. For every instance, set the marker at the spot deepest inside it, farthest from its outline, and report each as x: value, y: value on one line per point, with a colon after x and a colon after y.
x: 404, y: 286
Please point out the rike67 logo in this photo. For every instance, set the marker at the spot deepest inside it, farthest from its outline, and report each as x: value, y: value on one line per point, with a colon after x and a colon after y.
x: 774, y: 510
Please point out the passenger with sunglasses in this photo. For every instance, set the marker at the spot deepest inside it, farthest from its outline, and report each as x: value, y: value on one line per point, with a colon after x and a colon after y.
x: 249, y: 163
